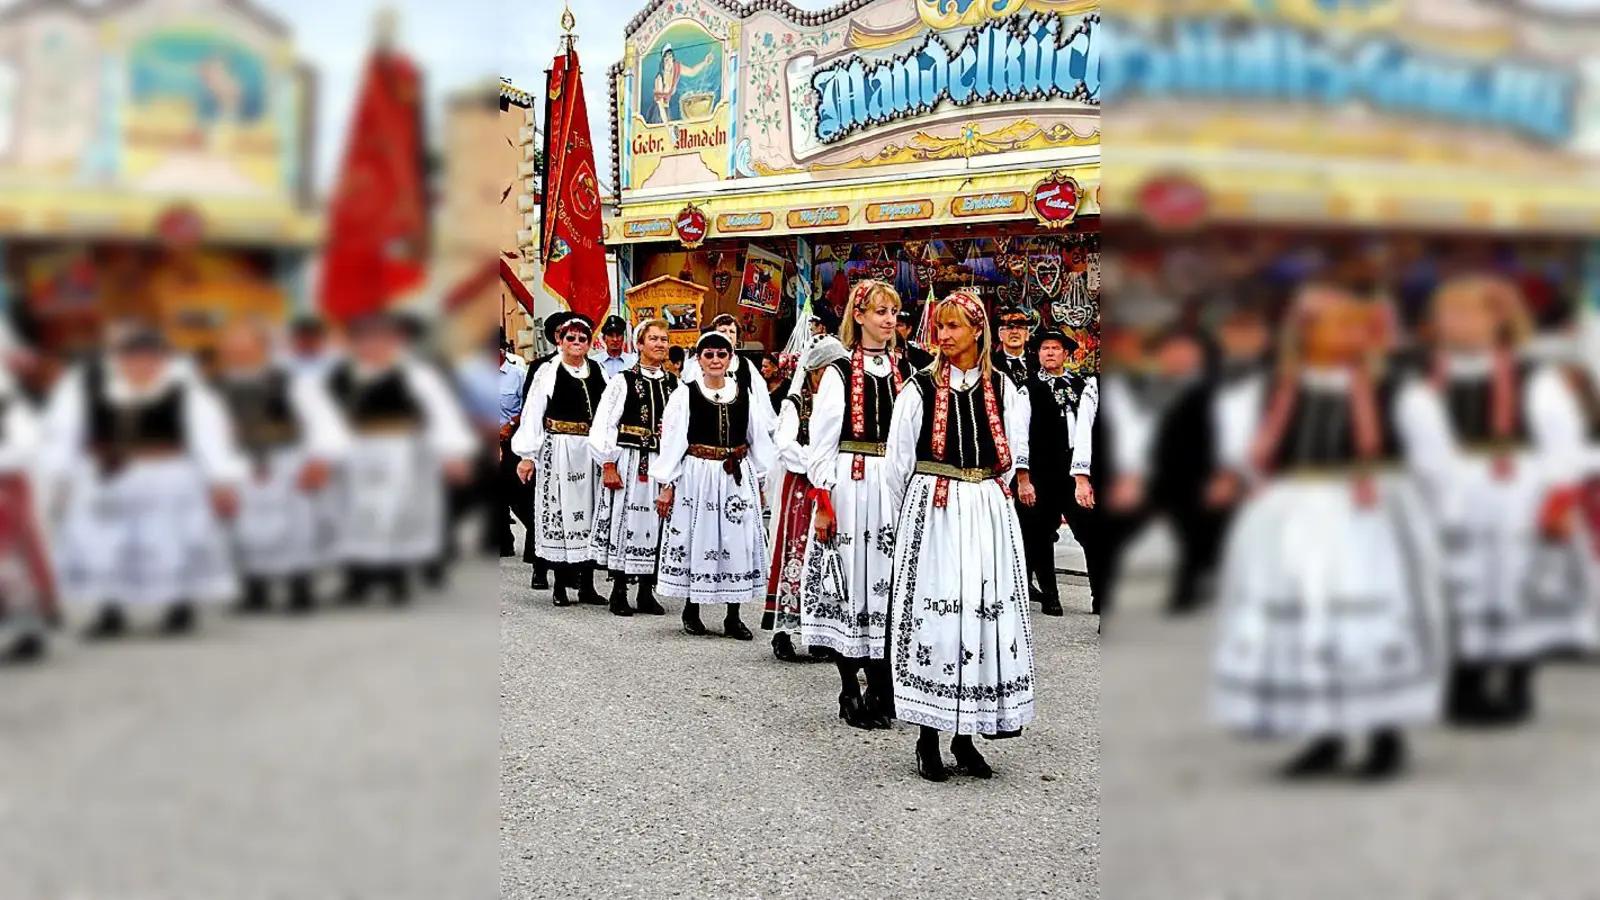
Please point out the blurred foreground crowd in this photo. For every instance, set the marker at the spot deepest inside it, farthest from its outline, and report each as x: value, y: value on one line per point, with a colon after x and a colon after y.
x: 1387, y: 474
x: 141, y: 485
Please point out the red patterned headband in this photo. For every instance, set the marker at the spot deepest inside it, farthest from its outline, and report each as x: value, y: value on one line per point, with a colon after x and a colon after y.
x: 861, y: 290
x: 968, y: 301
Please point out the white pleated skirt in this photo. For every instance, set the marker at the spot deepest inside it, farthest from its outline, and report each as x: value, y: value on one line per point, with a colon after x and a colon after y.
x: 627, y: 529
x: 961, y: 638
x: 714, y: 550
x: 145, y: 536
x: 279, y: 529
x: 391, y: 499
x: 1331, y: 618
x: 564, y: 500
x: 844, y: 586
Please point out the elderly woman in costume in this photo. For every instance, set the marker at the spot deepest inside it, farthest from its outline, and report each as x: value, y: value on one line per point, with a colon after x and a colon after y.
x: 960, y: 634
x: 850, y: 555
x: 292, y: 434
x: 624, y: 440
x: 27, y: 589
x: 1331, y: 619
x: 747, y: 376
x: 553, y: 438
x: 141, y: 524
x: 409, y: 436
x: 792, y: 516
x: 714, y: 451
x: 1488, y: 485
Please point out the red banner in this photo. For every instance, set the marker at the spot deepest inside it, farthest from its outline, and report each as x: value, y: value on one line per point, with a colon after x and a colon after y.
x: 573, y: 247
x: 378, y: 217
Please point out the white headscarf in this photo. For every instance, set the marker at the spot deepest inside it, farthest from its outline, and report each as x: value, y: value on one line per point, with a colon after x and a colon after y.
x: 822, y: 351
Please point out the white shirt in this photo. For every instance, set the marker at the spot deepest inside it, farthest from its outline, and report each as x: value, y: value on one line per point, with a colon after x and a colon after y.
x: 612, y: 366
x: 608, y: 417
x: 530, y: 434
x: 668, y: 464
x: 828, y: 409
x: 1083, y: 427
x: 905, y: 428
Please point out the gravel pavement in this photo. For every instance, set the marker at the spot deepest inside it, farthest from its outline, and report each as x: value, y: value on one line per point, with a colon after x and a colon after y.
x: 639, y: 762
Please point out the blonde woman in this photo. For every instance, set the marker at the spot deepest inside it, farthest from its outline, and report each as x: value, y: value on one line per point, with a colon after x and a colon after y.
x: 960, y: 637
x: 849, y: 556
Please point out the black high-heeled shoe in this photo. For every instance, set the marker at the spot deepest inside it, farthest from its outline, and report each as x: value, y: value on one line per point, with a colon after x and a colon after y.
x: 930, y: 765
x: 968, y: 760
x: 691, y: 620
x: 854, y: 712
x: 736, y: 629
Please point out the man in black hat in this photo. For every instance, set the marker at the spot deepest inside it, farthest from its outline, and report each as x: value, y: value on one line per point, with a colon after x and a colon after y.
x: 1053, y: 394
x: 308, y: 352
x: 1012, y: 328
x: 611, y: 356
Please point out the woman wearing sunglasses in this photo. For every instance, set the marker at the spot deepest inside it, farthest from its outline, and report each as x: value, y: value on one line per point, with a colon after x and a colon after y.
x: 554, y: 439
x: 714, y: 451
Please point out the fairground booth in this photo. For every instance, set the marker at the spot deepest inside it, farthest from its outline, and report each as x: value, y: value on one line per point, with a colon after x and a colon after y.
x: 767, y: 157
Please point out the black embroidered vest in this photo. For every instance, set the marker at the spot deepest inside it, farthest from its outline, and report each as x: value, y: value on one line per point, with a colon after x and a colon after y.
x: 1469, y: 402
x: 716, y: 424
x: 642, y: 407
x: 1053, y: 402
x: 155, y: 424
x: 383, y: 403
x: 969, y: 443
x: 575, y: 399
x: 802, y: 408
x: 1321, y: 431
x: 262, y: 415
x: 877, y: 401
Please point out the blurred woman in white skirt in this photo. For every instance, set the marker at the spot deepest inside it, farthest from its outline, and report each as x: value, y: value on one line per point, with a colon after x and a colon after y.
x: 849, y: 556
x: 960, y: 632
x: 1331, y: 622
x: 144, y: 470
x: 292, y: 434
x: 409, y: 436
x: 28, y: 607
x: 714, y: 452
x: 624, y: 440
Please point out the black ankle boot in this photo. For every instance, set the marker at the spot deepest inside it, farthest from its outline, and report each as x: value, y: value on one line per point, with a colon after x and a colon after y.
x: 1386, y: 758
x: 732, y: 627
x: 1519, y: 693
x: 25, y: 648
x: 691, y: 620
x: 179, y: 619
x: 255, y: 596
x: 1323, y: 757
x: 357, y: 584
x: 301, y: 597
x: 541, y: 576
x: 1467, y: 699
x: 433, y: 575
x: 646, y: 598
x: 619, y: 596
x: 880, y: 694
x: 930, y: 765
x: 399, y: 586
x: 1050, y: 605
x: 853, y: 710
x: 109, y: 623
x: 968, y: 760
x: 783, y: 647
x: 586, y: 592
x: 562, y: 578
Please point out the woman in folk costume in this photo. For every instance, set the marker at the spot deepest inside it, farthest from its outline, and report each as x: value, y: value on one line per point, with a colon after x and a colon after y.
x: 791, y: 520
x: 960, y: 635
x: 1487, y: 487
x: 553, y: 438
x: 625, y: 438
x: 409, y: 437
x: 713, y: 453
x: 292, y: 434
x: 746, y: 375
x: 27, y: 589
x: 1564, y: 415
x: 1331, y: 621
x: 850, y: 555
x: 141, y: 526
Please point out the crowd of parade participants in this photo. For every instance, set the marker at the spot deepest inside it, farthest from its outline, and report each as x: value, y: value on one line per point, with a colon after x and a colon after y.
x: 1399, y: 527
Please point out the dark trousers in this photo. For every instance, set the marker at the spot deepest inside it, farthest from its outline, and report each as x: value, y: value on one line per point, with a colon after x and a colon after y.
x: 1104, y: 536
x: 510, y: 498
x: 1199, y: 532
x: 1040, y: 524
